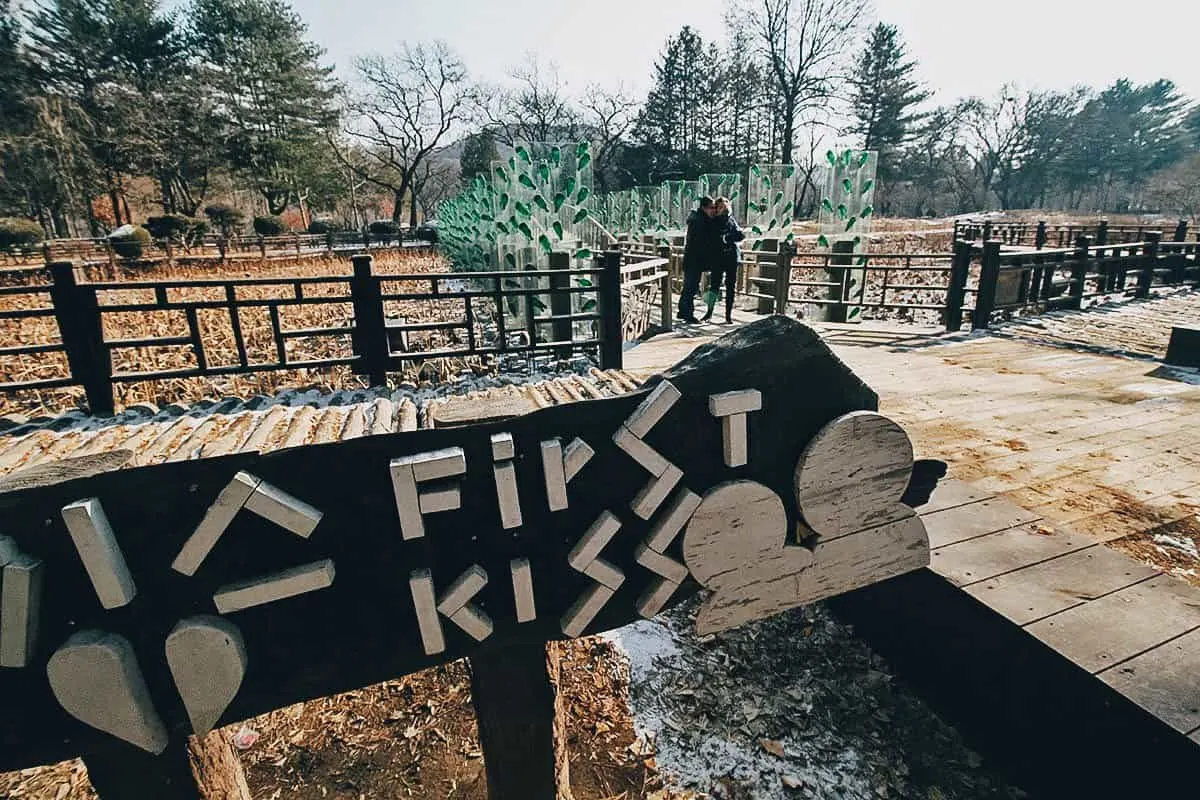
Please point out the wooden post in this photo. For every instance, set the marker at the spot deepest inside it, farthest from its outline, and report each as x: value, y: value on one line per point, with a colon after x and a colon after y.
x: 1102, y: 233
x: 985, y: 298
x: 1149, y: 264
x: 1039, y: 238
x: 1181, y: 231
x: 262, y: 246
x: 515, y: 703
x: 987, y: 230
x: 369, y: 336
x: 609, y: 296
x: 665, y: 294
x: 840, y: 259
x: 1083, y: 245
x: 222, y: 247
x: 560, y: 302
x: 329, y: 241
x: 767, y: 268
x: 296, y: 241
x: 783, y: 275
x: 196, y: 769
x: 956, y: 292
x: 79, y: 325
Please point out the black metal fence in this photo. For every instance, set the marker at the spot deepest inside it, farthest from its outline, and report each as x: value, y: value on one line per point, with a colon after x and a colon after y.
x: 369, y: 322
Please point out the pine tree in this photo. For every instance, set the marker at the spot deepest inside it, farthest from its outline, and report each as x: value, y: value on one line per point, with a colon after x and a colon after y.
x: 479, y: 151
x: 672, y: 122
x: 886, y: 96
x: 275, y: 98
x: 106, y: 57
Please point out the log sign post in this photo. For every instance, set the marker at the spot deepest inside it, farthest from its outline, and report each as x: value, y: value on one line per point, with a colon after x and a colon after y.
x: 142, y: 606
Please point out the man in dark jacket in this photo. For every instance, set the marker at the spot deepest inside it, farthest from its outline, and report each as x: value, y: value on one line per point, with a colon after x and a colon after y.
x: 725, y: 265
x: 700, y: 251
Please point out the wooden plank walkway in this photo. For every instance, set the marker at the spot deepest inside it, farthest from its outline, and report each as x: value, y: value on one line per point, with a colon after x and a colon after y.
x: 1121, y: 620
x: 1045, y: 629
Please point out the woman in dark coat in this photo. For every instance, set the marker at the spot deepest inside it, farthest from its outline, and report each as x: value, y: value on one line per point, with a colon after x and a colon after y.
x: 726, y: 261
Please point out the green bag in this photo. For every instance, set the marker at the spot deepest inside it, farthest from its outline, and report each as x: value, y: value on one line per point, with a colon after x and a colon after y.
x: 710, y: 299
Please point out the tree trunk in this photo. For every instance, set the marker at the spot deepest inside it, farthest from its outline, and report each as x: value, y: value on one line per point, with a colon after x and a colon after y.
x: 789, y: 132
x: 217, y: 768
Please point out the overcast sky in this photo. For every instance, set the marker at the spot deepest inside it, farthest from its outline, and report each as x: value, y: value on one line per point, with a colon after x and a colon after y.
x: 963, y: 48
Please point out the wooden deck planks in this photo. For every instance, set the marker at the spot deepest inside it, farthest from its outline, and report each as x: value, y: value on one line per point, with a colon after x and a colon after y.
x: 972, y: 520
x: 1165, y: 681
x: 1040, y: 590
x: 952, y: 494
x: 984, y: 557
x: 1119, y: 626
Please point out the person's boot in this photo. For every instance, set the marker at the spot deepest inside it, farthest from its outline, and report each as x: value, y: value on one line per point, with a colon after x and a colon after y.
x: 710, y: 300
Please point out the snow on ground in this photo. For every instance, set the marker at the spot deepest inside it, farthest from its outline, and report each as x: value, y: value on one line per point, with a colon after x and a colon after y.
x: 789, y: 707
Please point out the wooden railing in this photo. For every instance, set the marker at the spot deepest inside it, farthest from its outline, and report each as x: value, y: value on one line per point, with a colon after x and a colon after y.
x: 1039, y: 235
x: 980, y: 281
x: 373, y: 322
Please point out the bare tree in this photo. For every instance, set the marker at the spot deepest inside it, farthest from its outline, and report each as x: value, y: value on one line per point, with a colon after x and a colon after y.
x: 609, y: 114
x: 537, y: 108
x: 806, y: 44
x: 436, y: 180
x: 409, y: 105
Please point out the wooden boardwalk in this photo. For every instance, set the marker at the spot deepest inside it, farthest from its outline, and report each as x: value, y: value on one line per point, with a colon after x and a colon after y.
x: 1065, y: 464
x: 1121, y: 620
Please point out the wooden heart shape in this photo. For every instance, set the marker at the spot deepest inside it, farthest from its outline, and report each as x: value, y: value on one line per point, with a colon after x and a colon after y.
x: 96, y: 679
x: 207, y: 656
x: 736, y: 544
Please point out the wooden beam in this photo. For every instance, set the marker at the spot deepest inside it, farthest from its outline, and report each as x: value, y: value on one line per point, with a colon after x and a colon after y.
x: 515, y: 709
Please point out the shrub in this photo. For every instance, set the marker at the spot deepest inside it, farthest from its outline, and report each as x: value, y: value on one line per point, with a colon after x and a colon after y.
x: 18, y: 232
x: 269, y: 226
x: 176, y: 227
x: 384, y: 229
x: 130, y: 241
x: 323, y: 226
x: 225, y: 219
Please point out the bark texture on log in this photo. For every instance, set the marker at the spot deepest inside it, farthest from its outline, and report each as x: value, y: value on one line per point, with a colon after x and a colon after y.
x: 216, y: 768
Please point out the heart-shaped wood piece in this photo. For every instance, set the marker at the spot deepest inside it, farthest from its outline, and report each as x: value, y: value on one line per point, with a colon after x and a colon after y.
x: 736, y: 544
x: 207, y: 656
x: 96, y: 678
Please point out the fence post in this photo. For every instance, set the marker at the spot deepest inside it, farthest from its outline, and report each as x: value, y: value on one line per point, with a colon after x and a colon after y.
x: 667, y: 308
x: 1039, y: 238
x: 222, y: 246
x: 987, y: 230
x: 560, y: 302
x: 369, y: 334
x: 956, y: 292
x: 1102, y: 233
x: 82, y: 334
x: 989, y: 275
x: 609, y: 296
x: 262, y: 246
x: 47, y: 256
x: 1181, y: 231
x: 838, y: 272
x: 1150, y: 256
x: 783, y: 275
x: 329, y: 241
x: 767, y: 268
x: 296, y: 241
x: 1083, y: 245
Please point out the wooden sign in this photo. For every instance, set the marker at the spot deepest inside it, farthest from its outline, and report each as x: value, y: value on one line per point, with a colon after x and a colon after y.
x: 144, y: 605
